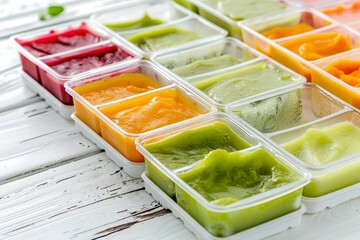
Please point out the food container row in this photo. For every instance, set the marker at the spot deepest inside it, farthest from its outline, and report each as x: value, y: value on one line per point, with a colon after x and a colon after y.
x: 224, y: 168
x: 310, y: 42
x: 55, y: 55
x: 123, y: 103
x: 157, y: 26
x: 75, y: 50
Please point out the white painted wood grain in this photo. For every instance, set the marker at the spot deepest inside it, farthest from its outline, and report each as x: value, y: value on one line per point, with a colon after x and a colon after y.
x: 13, y: 92
x: 35, y: 136
x: 84, y: 199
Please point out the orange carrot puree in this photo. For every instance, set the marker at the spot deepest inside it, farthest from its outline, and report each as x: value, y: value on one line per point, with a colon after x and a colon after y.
x: 114, y: 88
x: 318, y: 45
x: 158, y: 112
x: 280, y: 32
x: 346, y: 70
x: 344, y: 14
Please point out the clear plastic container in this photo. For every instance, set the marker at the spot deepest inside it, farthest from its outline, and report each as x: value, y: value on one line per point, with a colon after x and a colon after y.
x: 175, y: 35
x: 34, y: 45
x: 287, y: 109
x: 54, y: 71
x: 328, y: 149
x: 113, y: 84
x: 187, y: 4
x: 133, y: 15
x: 250, y: 79
x: 206, y: 58
x: 121, y: 122
x: 177, y: 148
x: 280, y: 26
x: 346, y: 89
x: 298, y: 52
x: 225, y: 216
x: 345, y: 11
x: 261, y: 231
x: 227, y: 14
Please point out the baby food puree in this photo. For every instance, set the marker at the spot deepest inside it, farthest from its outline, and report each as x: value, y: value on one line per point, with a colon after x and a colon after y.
x: 346, y: 70
x: 166, y: 37
x: 344, y: 14
x: 224, y: 178
x: 118, y: 87
x: 244, y: 82
x: 272, y: 114
x: 188, y: 147
x: 81, y: 62
x: 107, y: 90
x: 319, y: 147
x: 60, y: 41
x: 246, y: 9
x: 143, y: 21
x: 280, y: 32
x: 318, y: 45
x: 145, y: 113
x: 206, y: 65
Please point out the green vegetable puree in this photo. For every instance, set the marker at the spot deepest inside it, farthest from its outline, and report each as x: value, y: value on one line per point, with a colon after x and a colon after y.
x: 162, y: 38
x: 272, y: 114
x: 206, y: 65
x: 318, y: 147
x: 245, y: 9
x: 187, y: 147
x: 144, y: 21
x: 245, y: 82
x: 224, y: 178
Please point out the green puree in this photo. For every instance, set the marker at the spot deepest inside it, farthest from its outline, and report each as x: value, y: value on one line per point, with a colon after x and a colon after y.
x: 144, y: 21
x: 272, y: 114
x: 206, y: 65
x: 244, y: 82
x: 192, y: 145
x: 245, y: 9
x: 318, y: 147
x: 158, y: 39
x: 224, y: 178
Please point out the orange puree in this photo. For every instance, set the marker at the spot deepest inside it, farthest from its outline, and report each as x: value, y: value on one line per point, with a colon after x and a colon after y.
x: 122, y: 86
x: 344, y: 14
x: 281, y: 32
x: 158, y: 112
x: 346, y: 70
x: 318, y: 45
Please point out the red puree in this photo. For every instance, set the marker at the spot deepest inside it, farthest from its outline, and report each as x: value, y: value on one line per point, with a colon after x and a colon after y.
x: 56, y: 42
x: 82, y: 62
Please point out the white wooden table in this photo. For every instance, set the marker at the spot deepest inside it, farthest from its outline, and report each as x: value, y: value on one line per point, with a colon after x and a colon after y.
x: 56, y: 184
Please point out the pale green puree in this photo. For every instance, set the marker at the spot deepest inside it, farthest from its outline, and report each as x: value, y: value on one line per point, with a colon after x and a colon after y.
x: 166, y: 37
x: 319, y: 147
x: 245, y: 9
x: 244, y: 82
x: 272, y: 114
x: 206, y: 65
x: 144, y: 21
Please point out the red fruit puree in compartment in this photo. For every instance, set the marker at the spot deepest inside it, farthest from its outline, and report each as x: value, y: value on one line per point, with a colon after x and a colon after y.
x: 75, y: 63
x: 57, y: 42
x: 78, y: 64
